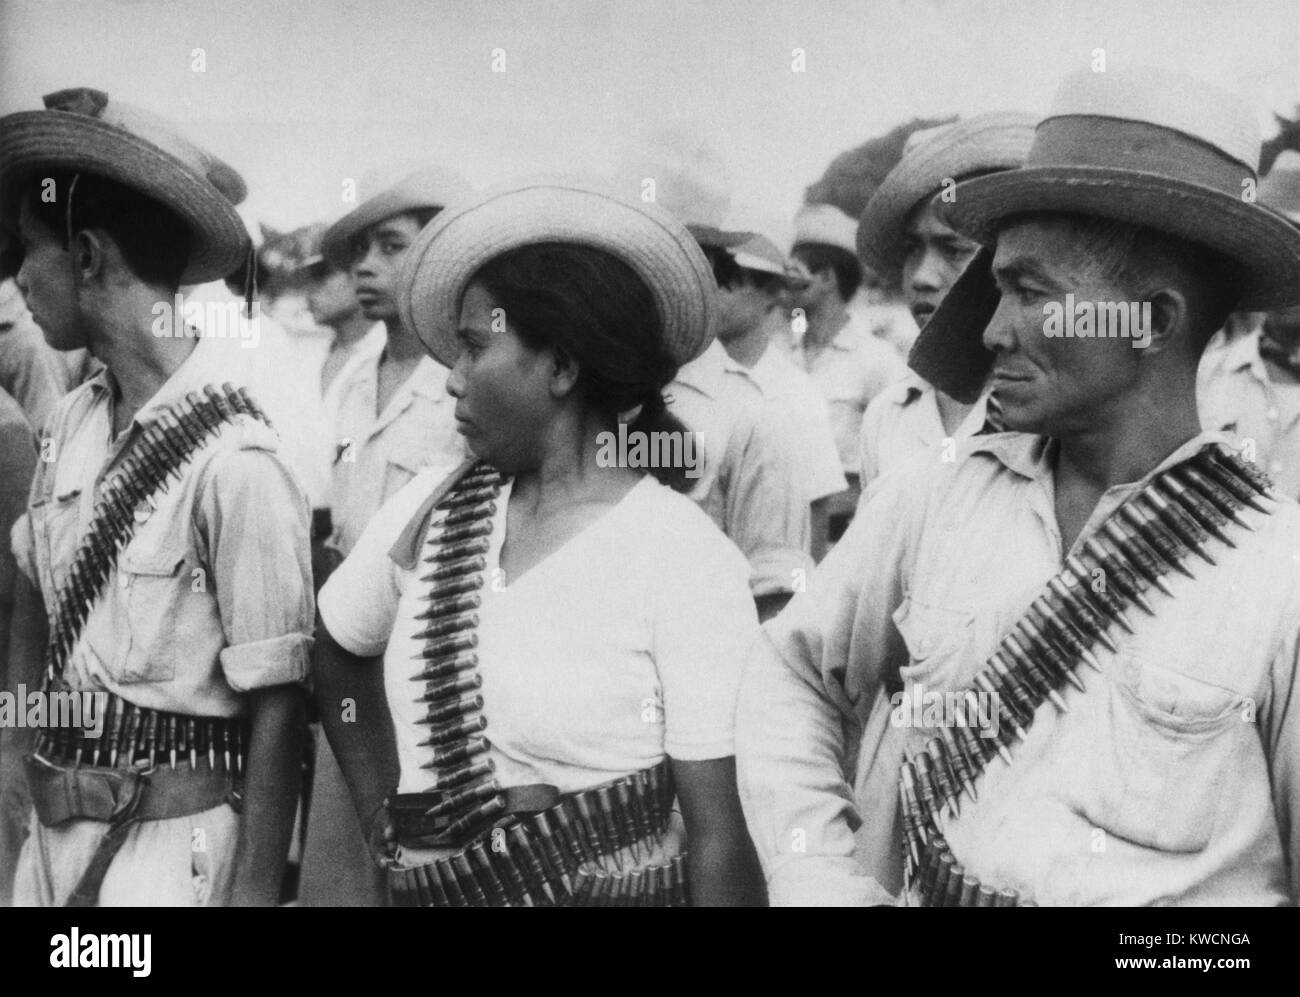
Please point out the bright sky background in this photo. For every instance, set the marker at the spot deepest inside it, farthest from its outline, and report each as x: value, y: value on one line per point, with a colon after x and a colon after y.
x: 299, y: 94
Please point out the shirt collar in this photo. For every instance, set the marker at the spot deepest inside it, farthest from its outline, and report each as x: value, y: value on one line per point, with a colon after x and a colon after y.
x: 1243, y: 354
x: 208, y: 363
x: 1031, y: 456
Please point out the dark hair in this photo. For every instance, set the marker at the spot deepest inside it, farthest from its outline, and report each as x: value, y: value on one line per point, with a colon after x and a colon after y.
x: 818, y: 256
x: 154, y: 240
x: 594, y: 309
x: 357, y: 246
x: 1124, y: 253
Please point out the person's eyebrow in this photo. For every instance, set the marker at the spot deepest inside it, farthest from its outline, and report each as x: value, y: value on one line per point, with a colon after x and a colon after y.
x: 1022, y: 266
x: 386, y: 231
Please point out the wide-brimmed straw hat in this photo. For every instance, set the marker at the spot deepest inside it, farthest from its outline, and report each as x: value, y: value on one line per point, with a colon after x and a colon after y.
x: 83, y: 131
x: 949, y: 153
x: 1143, y: 146
x: 394, y: 192
x: 826, y: 225
x: 454, y: 247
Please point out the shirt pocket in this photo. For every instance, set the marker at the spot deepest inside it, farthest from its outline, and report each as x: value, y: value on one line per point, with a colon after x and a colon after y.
x: 1175, y: 752
x: 938, y: 639
x: 56, y: 528
x: 153, y: 581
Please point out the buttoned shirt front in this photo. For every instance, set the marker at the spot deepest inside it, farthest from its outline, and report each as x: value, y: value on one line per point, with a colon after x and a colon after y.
x: 903, y: 421
x: 751, y: 485
x: 379, y: 454
x: 1236, y: 395
x: 212, y: 595
x: 849, y: 371
x: 1175, y: 778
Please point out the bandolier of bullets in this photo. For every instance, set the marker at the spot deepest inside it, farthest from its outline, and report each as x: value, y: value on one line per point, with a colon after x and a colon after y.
x: 134, y: 734
x: 1154, y: 532
x: 565, y: 855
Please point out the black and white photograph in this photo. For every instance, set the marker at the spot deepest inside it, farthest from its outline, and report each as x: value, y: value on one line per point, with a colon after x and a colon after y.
x: 651, y: 453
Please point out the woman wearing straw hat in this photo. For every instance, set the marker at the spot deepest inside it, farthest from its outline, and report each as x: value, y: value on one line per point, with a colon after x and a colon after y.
x: 540, y: 650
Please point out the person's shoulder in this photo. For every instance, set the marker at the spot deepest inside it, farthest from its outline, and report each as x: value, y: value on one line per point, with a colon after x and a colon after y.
x: 673, y: 528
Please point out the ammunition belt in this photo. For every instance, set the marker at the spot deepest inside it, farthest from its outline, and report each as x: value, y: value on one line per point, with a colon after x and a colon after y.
x: 584, y: 850
x: 1154, y: 532
x: 164, y: 446
x: 132, y: 736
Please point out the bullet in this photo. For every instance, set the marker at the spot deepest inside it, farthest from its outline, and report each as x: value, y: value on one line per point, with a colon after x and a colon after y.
x: 1033, y: 671
x: 1100, y: 598
x: 1160, y: 539
x: 558, y: 858
x: 447, y: 688
x: 952, y: 889
x: 589, y: 809
x: 933, y: 896
x: 969, y: 890
x: 446, y: 646
x: 462, y: 532
x: 448, y: 587
x: 1213, y: 492
x: 461, y: 774
x: 1080, y: 611
x: 486, y: 812
x: 530, y: 862
x: 438, y: 675
x: 120, y: 709
x: 462, y: 549
x: 1037, y: 643
x: 210, y: 738
x: 1059, y: 628
x: 468, y: 514
x: 445, y: 625
x: 453, y: 730
x: 450, y: 882
x: 962, y: 768
x: 447, y: 607
x: 433, y: 883
x: 493, y: 888
x: 241, y: 744
x: 452, y: 802
x: 1206, y: 515
x: 652, y: 791
x: 252, y: 405
x: 458, y: 752
x: 623, y: 811
x: 1006, y: 898
x: 986, y: 897
x: 1006, y: 734
x: 1177, y: 521
x: 470, y: 496
x: 440, y: 712
x: 678, y: 881
x: 570, y: 835
x: 218, y: 401
x: 1138, y: 554
x: 583, y: 883
x: 191, y: 739
x: 454, y: 570
x: 511, y: 875
x: 1243, y: 470
x: 468, y: 884
x: 1129, y: 582
x: 945, y: 780
x: 926, y: 791
x: 913, y: 839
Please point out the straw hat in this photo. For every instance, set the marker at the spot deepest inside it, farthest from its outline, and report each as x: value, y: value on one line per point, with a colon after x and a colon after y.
x: 988, y: 142
x: 83, y: 131
x: 454, y: 247
x: 827, y: 225
x: 1144, y: 146
x: 395, y: 193
x: 1280, y: 190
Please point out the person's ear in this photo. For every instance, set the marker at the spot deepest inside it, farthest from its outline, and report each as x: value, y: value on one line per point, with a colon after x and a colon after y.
x: 91, y: 249
x: 1161, y: 318
x: 564, y: 374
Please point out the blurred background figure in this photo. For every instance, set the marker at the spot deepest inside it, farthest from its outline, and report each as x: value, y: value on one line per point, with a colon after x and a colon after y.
x: 1249, y: 383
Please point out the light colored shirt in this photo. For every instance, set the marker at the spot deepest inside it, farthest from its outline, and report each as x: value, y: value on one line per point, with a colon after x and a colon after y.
x: 1175, y: 778
x: 903, y: 421
x: 791, y: 395
x: 752, y: 485
x: 849, y: 371
x: 1234, y: 394
x: 212, y: 596
x: 621, y: 647
x: 379, y: 454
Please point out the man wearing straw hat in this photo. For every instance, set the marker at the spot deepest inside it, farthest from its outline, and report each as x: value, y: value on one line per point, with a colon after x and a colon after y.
x: 165, y: 533
x: 392, y: 418
x: 901, y: 236
x: 1168, y: 769
x: 1251, y: 386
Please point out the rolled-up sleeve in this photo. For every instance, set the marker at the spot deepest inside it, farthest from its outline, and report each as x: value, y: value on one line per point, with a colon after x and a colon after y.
x: 256, y: 518
x: 805, y: 696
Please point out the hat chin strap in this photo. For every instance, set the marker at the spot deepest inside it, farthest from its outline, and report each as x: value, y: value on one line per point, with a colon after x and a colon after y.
x: 67, y: 227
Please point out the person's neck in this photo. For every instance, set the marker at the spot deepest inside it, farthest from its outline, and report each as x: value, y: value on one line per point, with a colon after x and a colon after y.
x: 403, y: 346
x: 570, y: 471
x: 748, y: 348
x: 825, y: 322
x: 1129, y: 441
x: 350, y: 330
x: 139, y: 363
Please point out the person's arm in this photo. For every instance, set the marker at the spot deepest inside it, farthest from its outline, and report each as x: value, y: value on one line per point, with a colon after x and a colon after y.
x: 354, y: 714
x: 26, y: 657
x: 277, y: 720
x: 722, y: 865
x: 1280, y: 734
x: 806, y: 691
x: 253, y: 518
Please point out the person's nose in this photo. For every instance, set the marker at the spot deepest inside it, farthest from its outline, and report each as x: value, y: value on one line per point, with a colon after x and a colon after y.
x: 928, y: 275
x: 456, y: 379
x: 999, y: 335
x: 364, y: 265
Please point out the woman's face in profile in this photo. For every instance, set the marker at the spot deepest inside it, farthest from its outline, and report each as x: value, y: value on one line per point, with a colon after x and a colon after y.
x: 501, y: 386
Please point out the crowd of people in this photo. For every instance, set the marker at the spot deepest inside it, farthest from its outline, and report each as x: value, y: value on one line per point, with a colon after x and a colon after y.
x: 535, y: 544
